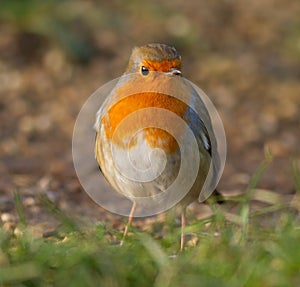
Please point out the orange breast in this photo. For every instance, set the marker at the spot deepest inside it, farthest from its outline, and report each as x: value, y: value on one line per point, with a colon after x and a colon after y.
x: 156, y: 137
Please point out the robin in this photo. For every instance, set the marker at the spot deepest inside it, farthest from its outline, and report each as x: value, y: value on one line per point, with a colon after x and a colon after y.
x: 150, y: 121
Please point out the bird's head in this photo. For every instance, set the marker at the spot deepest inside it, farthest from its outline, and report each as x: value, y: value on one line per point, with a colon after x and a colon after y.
x: 154, y: 57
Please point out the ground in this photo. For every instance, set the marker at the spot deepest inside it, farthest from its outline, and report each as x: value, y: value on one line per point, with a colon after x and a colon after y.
x: 246, y: 57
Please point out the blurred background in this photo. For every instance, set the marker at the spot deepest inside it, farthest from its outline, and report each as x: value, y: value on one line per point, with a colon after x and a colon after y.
x: 54, y: 54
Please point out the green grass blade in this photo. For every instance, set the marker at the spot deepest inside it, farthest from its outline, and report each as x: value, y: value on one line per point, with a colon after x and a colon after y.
x: 19, y: 207
x: 66, y: 221
x: 18, y: 273
x: 296, y: 175
x: 259, y: 172
x: 245, y: 210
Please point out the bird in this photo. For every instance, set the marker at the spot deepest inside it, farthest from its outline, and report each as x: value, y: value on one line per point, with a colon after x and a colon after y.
x: 145, y: 92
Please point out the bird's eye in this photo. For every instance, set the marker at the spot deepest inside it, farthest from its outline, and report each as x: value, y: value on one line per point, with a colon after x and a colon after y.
x: 144, y: 71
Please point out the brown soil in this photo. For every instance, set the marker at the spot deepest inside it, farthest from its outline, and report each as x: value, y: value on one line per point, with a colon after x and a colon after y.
x: 246, y: 58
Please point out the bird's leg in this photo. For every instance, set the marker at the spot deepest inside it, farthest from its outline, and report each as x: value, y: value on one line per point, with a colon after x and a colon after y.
x: 182, y: 229
x: 133, y: 208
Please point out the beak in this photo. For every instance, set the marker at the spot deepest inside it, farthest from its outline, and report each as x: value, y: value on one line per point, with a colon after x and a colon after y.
x: 175, y: 72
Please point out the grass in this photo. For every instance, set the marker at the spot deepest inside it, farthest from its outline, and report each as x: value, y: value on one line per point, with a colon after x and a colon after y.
x: 248, y: 248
